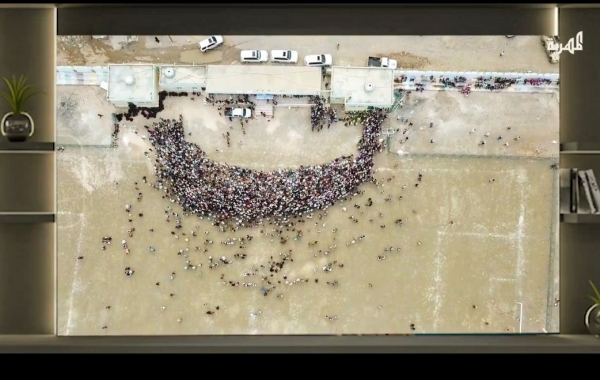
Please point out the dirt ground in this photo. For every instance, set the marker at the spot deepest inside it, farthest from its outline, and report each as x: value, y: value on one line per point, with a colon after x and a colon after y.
x: 459, y: 53
x: 472, y: 256
x: 475, y: 252
x: 87, y: 106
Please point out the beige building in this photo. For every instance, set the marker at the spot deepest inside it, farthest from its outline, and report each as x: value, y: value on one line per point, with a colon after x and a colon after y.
x: 362, y: 88
x: 263, y: 79
x: 133, y: 83
x: 184, y: 78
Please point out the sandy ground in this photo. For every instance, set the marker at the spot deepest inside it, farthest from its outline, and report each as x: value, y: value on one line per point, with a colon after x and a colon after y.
x: 471, y: 255
x: 471, y: 252
x: 476, y: 53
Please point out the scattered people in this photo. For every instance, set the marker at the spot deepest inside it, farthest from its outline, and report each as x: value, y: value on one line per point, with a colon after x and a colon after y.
x: 285, y: 204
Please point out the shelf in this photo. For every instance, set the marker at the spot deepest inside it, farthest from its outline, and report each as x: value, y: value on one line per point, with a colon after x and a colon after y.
x: 26, y: 147
x: 580, y: 148
x: 580, y: 218
x: 27, y: 217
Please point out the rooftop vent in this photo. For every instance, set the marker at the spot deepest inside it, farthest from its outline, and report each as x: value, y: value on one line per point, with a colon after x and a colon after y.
x: 169, y: 72
x: 130, y: 80
x: 369, y: 87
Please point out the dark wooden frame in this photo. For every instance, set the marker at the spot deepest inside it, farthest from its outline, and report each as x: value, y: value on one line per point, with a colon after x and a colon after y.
x: 27, y: 245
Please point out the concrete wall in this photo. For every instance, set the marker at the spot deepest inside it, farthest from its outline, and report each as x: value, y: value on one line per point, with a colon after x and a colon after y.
x: 81, y: 75
x: 425, y: 75
x: 424, y: 78
x: 180, y: 87
x: 125, y: 104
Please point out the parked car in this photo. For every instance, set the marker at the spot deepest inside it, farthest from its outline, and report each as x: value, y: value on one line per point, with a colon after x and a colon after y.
x: 257, y: 56
x: 318, y: 60
x: 284, y: 56
x: 210, y: 43
x: 245, y: 113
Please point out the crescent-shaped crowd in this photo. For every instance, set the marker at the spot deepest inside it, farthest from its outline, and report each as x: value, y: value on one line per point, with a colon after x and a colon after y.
x: 225, y: 192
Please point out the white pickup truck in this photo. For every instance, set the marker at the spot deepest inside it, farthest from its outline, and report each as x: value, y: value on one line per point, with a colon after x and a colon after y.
x: 245, y: 113
x: 382, y: 62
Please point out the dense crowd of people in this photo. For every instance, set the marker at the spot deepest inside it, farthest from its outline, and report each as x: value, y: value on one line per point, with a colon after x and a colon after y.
x: 320, y: 114
x: 225, y: 192
x: 147, y: 112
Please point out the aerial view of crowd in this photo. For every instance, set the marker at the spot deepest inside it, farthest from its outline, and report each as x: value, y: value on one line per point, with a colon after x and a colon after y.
x: 225, y: 192
x: 321, y: 114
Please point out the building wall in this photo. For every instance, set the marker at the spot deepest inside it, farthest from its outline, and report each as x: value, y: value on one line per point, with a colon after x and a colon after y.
x: 125, y: 104
x: 355, y: 108
x: 364, y: 107
x: 81, y: 75
x: 182, y: 87
x: 333, y: 100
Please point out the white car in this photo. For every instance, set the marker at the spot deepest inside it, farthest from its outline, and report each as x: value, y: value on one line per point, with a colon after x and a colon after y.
x: 210, y: 43
x: 318, y: 60
x: 257, y: 56
x: 241, y: 112
x: 284, y: 56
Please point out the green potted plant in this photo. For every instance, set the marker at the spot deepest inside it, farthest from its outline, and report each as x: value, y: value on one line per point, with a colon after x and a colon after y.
x: 17, y: 125
x: 592, y: 316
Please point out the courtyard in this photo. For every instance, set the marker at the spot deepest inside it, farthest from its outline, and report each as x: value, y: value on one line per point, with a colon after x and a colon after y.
x: 471, y: 255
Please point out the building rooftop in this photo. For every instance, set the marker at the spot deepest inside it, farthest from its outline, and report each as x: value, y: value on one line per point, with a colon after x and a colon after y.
x: 263, y: 79
x: 190, y: 74
x: 363, y: 86
x: 132, y: 83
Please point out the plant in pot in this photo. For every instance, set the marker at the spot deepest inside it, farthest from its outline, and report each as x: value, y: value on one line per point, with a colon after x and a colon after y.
x: 17, y: 125
x: 592, y: 316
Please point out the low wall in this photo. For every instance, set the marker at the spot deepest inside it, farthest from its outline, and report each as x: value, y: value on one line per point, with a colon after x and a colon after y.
x: 432, y: 80
x: 81, y: 75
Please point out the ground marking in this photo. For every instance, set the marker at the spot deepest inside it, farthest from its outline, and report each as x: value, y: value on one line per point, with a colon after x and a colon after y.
x: 477, y: 234
x: 79, y: 216
x: 520, y: 316
x: 520, y: 235
x: 76, y: 281
x: 438, y: 283
x: 501, y: 279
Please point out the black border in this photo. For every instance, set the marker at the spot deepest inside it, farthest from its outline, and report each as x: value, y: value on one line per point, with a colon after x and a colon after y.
x: 313, y: 19
x: 306, y: 344
x: 578, y: 262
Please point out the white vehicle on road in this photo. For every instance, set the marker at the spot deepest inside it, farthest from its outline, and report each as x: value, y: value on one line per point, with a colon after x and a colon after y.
x: 284, y: 56
x: 245, y: 113
x: 210, y: 43
x: 318, y: 60
x: 257, y: 56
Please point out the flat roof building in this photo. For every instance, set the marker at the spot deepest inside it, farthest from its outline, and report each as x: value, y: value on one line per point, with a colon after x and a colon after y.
x: 182, y: 78
x: 263, y: 79
x: 360, y: 88
x: 133, y: 83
